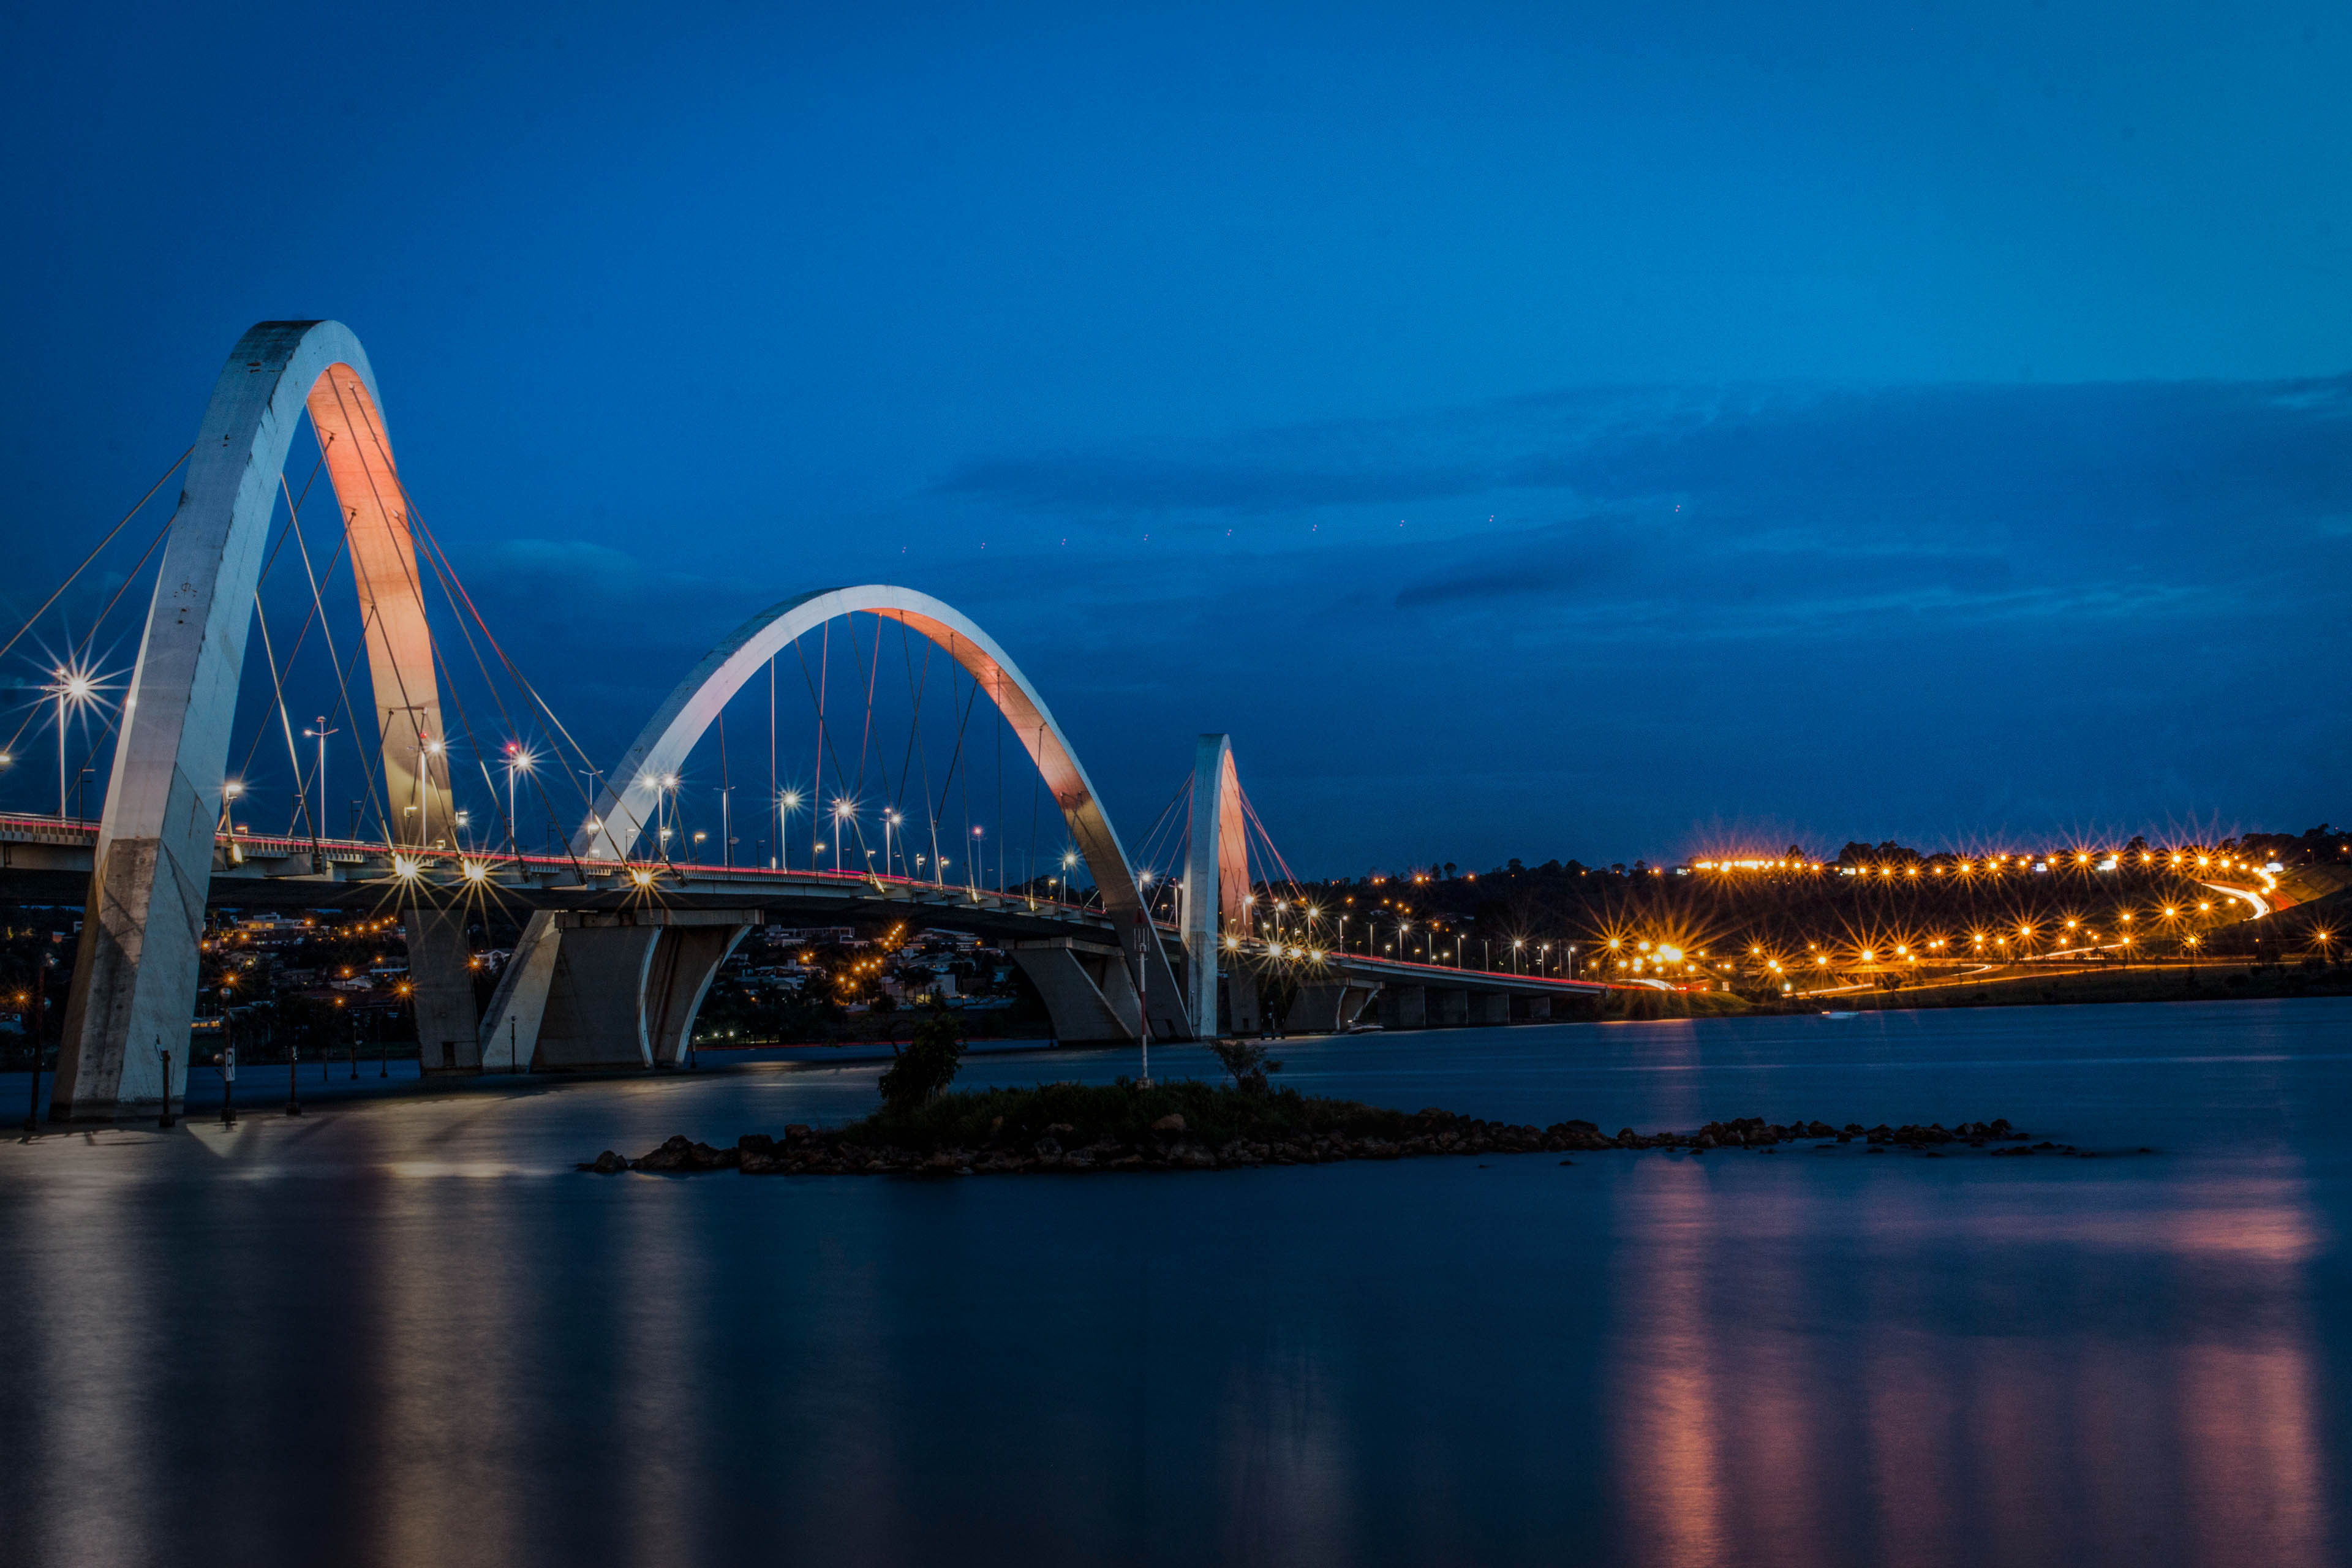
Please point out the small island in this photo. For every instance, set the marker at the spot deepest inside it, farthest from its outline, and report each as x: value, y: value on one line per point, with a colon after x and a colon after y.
x: 1075, y: 1128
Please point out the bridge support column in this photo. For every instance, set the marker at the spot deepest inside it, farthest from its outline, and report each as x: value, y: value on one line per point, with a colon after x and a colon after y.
x: 1406, y: 1006
x: 1329, y: 1007
x: 1448, y: 1008
x: 1244, y: 1002
x: 680, y: 977
x: 1088, y: 990
x: 448, y: 1026
x: 1533, y: 1009
x: 1489, y: 1007
x: 622, y: 989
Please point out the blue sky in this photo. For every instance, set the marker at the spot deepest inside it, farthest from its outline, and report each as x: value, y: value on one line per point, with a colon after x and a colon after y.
x: 1598, y: 431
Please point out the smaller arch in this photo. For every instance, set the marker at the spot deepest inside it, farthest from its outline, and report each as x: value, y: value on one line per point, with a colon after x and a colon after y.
x: 629, y: 799
x: 628, y: 802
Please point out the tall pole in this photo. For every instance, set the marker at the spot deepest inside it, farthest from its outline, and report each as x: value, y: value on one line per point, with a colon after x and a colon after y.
x: 61, y: 745
x: 1143, y: 932
x: 319, y: 827
x: 41, y: 1012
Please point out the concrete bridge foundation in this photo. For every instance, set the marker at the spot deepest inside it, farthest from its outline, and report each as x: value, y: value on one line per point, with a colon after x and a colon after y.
x: 1329, y: 1008
x: 624, y: 988
x: 1089, y: 989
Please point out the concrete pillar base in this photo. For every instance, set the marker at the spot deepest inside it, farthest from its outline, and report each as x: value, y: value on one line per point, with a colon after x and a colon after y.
x: 622, y: 989
x: 1088, y: 992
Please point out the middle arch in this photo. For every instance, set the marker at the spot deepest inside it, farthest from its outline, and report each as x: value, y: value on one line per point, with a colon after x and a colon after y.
x: 628, y: 802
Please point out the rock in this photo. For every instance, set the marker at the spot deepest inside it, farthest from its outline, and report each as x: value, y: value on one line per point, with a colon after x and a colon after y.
x: 675, y: 1153
x: 1567, y: 1161
x: 756, y: 1143
x: 798, y: 1133
x: 754, y: 1164
x: 1060, y: 1129
x: 608, y: 1163
x: 1172, y: 1122
x: 1047, y: 1148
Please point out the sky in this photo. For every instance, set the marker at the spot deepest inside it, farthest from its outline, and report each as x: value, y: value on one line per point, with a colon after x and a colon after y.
x: 1587, y: 431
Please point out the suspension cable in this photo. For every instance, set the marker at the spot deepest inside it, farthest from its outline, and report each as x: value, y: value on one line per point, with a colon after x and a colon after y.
x: 99, y: 548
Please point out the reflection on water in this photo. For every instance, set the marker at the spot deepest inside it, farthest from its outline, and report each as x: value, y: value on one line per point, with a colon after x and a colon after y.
x: 408, y: 1333
x: 1988, y: 1392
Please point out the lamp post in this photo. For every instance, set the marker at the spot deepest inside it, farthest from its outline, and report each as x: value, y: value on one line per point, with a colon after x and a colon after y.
x: 40, y: 1011
x: 73, y: 687
x: 519, y: 761
x: 841, y: 814
x: 787, y: 802
x: 318, y: 825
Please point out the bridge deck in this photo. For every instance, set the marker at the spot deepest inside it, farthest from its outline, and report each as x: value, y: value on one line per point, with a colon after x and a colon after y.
x: 48, y: 859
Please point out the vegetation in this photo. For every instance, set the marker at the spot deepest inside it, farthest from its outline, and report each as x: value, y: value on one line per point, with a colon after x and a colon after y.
x: 1078, y: 1114
x: 1247, y: 1063
x: 927, y: 1064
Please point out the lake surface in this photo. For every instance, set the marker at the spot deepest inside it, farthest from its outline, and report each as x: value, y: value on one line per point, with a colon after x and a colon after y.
x: 405, y: 1331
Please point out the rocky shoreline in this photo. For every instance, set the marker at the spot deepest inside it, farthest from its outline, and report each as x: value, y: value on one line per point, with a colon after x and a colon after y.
x: 1172, y: 1146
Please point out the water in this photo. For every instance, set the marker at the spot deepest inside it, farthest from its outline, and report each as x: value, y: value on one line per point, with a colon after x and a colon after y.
x: 406, y: 1332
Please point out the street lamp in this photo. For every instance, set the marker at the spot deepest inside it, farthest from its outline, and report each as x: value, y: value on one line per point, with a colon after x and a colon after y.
x: 787, y: 802
x: 75, y: 686
x: 519, y: 761
x: 889, y: 820
x: 318, y: 824
x: 841, y: 814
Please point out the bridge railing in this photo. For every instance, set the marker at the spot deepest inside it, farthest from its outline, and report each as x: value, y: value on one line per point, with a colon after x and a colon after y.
x: 487, y: 863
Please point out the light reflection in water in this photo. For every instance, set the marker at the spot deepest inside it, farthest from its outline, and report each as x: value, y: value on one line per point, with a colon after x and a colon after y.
x: 2172, y: 1419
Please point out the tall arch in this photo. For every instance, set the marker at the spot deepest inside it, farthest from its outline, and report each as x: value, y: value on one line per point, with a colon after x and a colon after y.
x: 1216, y: 872
x: 629, y: 801
x: 135, y: 975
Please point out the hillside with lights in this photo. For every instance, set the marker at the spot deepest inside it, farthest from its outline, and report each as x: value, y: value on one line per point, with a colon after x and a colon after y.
x: 1796, y: 928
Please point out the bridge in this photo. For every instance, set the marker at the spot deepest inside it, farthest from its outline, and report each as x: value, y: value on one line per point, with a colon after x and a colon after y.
x: 620, y: 938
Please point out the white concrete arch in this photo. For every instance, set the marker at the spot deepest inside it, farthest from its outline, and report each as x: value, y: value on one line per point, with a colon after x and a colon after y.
x: 628, y: 801
x: 519, y: 1019
x: 136, y: 973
